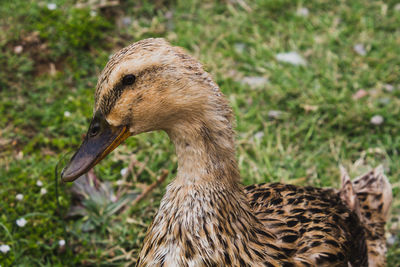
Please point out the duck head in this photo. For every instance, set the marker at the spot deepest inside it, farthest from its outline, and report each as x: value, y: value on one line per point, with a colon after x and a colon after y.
x: 149, y: 85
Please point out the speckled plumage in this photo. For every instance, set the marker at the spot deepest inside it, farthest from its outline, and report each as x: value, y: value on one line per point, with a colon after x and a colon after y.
x: 206, y: 218
x: 374, y: 197
x: 311, y: 225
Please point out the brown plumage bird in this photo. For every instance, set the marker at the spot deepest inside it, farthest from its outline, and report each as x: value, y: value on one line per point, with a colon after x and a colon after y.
x: 206, y: 218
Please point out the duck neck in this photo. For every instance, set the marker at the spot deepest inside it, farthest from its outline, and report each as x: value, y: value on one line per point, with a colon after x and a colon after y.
x: 206, y: 153
x: 204, y: 208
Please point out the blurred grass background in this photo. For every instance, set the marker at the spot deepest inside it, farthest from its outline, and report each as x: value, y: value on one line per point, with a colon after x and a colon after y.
x: 295, y: 123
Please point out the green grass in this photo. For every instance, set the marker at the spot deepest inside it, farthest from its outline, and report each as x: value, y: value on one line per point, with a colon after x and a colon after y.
x: 65, y: 49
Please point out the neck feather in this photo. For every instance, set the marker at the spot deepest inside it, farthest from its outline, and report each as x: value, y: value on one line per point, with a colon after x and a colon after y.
x: 206, y: 151
x: 204, y: 208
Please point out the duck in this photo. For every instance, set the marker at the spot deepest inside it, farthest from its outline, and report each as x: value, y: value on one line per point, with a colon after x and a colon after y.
x: 206, y: 216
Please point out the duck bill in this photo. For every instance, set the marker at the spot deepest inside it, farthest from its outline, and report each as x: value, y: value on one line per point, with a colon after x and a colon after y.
x: 97, y: 144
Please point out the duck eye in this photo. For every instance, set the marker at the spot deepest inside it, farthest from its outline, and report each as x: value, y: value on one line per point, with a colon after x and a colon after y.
x: 128, y: 79
x: 94, y: 130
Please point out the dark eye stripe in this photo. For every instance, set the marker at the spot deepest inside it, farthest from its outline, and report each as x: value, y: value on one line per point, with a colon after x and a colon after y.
x: 110, y: 98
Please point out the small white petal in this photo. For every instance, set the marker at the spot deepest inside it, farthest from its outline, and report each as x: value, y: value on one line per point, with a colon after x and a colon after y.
x: 360, y: 49
x: 120, y: 182
x: 18, y: 49
x: 39, y: 183
x: 19, y: 196
x: 291, y: 57
x: 113, y: 198
x: 51, y: 6
x: 302, y: 12
x: 93, y: 13
x: 391, y: 240
x: 5, y: 248
x: 43, y: 191
x: 61, y: 242
x: 124, y: 171
x: 67, y: 114
x: 377, y: 120
x: 21, y: 222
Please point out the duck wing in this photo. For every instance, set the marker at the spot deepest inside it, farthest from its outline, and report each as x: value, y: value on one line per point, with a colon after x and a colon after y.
x: 312, y: 225
x: 370, y: 197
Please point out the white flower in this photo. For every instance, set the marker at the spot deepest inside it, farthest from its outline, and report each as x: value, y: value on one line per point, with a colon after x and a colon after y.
x: 67, y: 114
x: 43, y: 191
x: 21, y: 222
x: 51, y: 6
x: 39, y: 183
x: 18, y: 49
x: 61, y: 242
x: 93, y: 13
x: 377, y: 120
x: 124, y: 171
x: 391, y: 240
x: 113, y: 198
x: 4, y: 248
x: 291, y: 57
x: 19, y: 196
x: 120, y: 182
x: 360, y: 49
x: 303, y: 12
